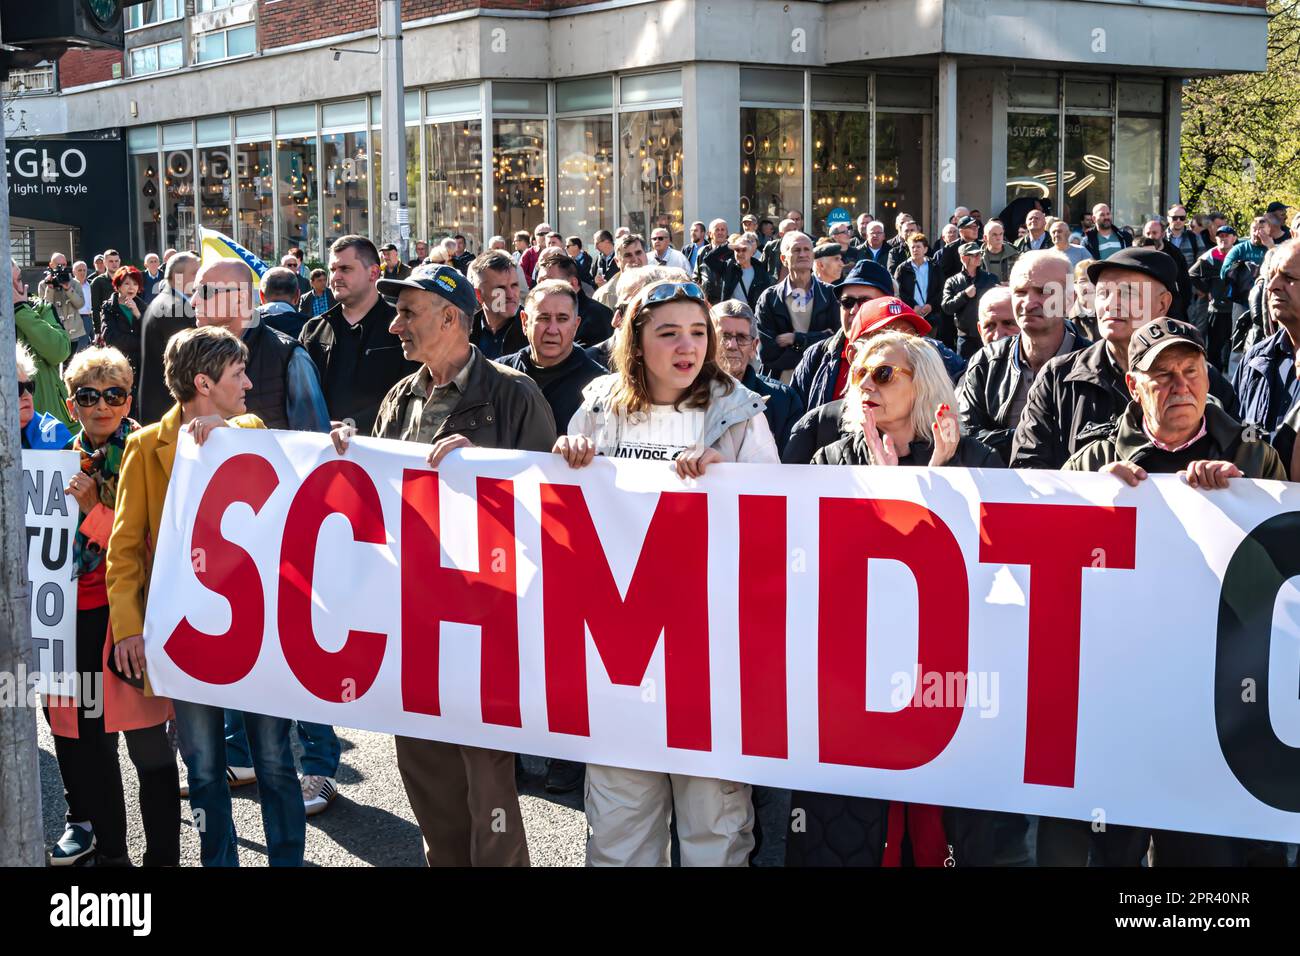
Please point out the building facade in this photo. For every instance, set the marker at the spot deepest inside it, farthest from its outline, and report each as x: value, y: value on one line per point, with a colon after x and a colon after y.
x: 261, y: 118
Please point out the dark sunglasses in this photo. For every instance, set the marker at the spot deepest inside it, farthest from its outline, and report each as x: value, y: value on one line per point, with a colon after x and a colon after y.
x: 1181, y: 218
x: 851, y: 302
x: 26, y: 388
x: 88, y: 397
x: 880, y: 374
x: 207, y: 290
x: 668, y: 291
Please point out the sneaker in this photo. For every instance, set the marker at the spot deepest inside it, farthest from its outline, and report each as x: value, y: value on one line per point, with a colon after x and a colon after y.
x: 235, y: 777
x: 317, y: 793
x: 564, y: 776
x: 76, y: 844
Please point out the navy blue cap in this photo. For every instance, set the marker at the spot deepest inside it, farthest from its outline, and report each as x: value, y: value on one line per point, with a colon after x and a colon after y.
x: 867, y: 272
x: 442, y: 280
x: 1225, y: 230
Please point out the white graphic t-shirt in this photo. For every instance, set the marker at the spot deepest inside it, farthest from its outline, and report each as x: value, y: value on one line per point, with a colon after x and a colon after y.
x: 660, y: 435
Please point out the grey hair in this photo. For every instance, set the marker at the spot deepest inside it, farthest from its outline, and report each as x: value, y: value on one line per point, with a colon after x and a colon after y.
x: 26, y: 363
x: 735, y: 309
x: 790, y: 238
x: 180, y: 262
x: 449, y: 244
x: 279, y: 281
x: 991, y: 298
x: 498, y: 260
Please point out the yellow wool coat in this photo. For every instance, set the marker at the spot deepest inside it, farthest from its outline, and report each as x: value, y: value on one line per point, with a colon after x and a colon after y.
x: 141, y: 492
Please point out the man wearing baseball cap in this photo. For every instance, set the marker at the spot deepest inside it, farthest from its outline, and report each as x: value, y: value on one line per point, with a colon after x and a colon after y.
x: 1277, y: 214
x: 1169, y: 427
x: 822, y: 424
x: 1076, y: 397
x: 457, y: 399
x: 394, y: 267
x: 952, y: 256
x: 962, y: 293
x: 821, y: 375
x: 996, y: 387
x: 1206, y: 275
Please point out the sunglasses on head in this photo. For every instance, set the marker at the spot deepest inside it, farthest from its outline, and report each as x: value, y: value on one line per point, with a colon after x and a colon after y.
x: 880, y: 374
x: 88, y: 397
x: 26, y: 388
x: 668, y: 291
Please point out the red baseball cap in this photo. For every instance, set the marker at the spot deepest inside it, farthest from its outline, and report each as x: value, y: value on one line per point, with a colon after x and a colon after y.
x: 874, y: 315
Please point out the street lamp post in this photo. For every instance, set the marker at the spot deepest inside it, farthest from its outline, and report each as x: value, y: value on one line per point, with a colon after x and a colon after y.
x: 395, y: 225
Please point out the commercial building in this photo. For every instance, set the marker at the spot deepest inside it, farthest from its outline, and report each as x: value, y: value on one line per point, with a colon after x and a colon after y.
x: 262, y: 118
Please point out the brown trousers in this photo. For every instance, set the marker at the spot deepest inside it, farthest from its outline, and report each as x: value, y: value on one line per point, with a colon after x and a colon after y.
x: 465, y: 802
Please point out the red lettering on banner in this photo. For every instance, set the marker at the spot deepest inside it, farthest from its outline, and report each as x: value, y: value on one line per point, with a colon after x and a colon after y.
x: 1056, y: 541
x: 337, y: 487
x: 668, y: 595
x: 487, y: 597
x: 762, y: 597
x: 853, y: 531
x: 228, y: 570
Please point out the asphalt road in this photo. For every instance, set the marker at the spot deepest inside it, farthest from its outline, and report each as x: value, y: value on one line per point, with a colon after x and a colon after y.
x: 371, y: 824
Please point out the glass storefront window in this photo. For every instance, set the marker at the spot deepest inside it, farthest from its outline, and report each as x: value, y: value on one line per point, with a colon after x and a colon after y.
x: 904, y: 146
x: 178, y: 183
x: 841, y: 147
x: 771, y: 86
x: 454, y: 164
x: 585, y: 162
x: 771, y: 161
x: 148, y: 202
x: 1032, y: 140
x: 518, y: 174
x: 255, y: 207
x: 1033, y: 92
x: 1137, y: 169
x: 215, y: 187
x: 596, y: 93
x: 297, y: 196
x: 909, y: 91
x: 1085, y: 178
x: 832, y: 88
x: 649, y: 87
x: 345, y: 186
x: 650, y: 156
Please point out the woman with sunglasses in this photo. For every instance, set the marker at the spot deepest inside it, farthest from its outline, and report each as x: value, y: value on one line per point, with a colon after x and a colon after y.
x: 85, y: 733
x: 120, y: 317
x: 38, y: 430
x: 668, y: 400
x: 902, y: 408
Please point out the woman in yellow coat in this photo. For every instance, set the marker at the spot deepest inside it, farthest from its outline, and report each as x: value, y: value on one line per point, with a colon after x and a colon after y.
x: 204, y: 370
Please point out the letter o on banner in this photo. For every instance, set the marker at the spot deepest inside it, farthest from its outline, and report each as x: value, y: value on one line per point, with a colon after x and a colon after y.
x: 1262, y: 563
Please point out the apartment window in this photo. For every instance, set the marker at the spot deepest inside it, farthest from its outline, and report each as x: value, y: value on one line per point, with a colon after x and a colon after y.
x: 157, y: 58
x: 151, y: 12
x: 224, y: 44
x: 207, y: 6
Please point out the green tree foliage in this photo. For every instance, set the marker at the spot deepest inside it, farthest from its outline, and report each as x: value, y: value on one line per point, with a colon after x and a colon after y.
x: 1240, y: 149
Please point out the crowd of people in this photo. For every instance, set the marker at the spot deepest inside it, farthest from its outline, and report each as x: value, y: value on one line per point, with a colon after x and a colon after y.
x: 1085, y: 349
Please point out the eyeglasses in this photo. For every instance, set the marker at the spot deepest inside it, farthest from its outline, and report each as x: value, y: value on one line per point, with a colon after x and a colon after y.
x: 1178, y: 218
x: 668, y: 291
x: 740, y: 339
x: 114, y: 395
x: 851, y: 302
x: 26, y: 388
x: 880, y: 374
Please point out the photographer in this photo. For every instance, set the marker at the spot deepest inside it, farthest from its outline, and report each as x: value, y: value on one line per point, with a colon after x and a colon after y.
x: 59, y: 290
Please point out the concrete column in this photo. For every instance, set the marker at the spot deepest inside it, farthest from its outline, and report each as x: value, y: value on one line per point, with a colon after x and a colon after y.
x: 1173, y: 140
x: 946, y: 138
x: 711, y: 143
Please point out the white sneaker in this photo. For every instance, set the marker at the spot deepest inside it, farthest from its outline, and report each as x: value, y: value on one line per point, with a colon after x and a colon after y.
x: 317, y: 793
x: 235, y: 777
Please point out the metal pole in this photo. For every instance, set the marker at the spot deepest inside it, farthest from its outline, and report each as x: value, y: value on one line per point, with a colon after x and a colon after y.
x: 22, y: 837
x: 395, y: 223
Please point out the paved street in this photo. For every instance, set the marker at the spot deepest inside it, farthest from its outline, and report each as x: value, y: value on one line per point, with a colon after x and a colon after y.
x: 371, y: 824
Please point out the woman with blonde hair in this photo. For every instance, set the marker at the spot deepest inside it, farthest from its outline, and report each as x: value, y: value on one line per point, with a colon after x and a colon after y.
x: 900, y: 407
x: 668, y: 400
x: 85, y: 734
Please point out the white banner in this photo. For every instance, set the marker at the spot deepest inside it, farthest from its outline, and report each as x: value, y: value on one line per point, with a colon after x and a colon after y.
x: 1040, y: 642
x: 52, y: 519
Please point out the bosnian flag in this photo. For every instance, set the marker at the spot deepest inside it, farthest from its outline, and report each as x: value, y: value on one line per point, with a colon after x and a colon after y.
x: 214, y: 246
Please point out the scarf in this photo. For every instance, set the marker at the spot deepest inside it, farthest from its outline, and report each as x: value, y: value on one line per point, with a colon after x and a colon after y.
x: 102, y: 464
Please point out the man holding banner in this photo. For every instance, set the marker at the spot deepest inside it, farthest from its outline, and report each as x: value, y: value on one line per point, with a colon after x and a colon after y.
x: 464, y: 798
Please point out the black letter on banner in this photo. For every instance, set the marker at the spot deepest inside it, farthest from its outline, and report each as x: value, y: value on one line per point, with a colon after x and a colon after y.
x: 49, y: 590
x: 52, y: 563
x: 1262, y: 763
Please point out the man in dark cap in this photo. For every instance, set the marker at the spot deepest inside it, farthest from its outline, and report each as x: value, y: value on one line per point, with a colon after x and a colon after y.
x: 1277, y: 227
x: 962, y: 293
x: 822, y: 373
x: 394, y: 267
x: 464, y: 798
x: 950, y: 257
x: 1076, y: 397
